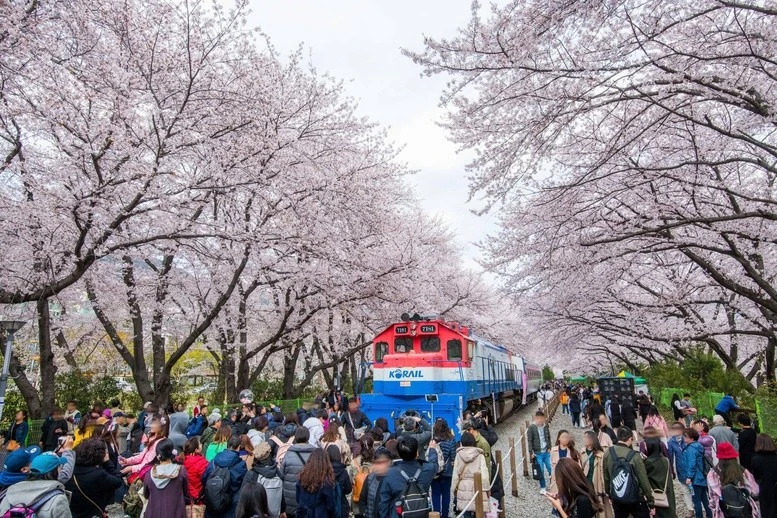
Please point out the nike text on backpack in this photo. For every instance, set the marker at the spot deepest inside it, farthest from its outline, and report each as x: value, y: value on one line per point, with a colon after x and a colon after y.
x: 31, y: 510
x: 735, y: 502
x: 218, y: 497
x: 624, y: 487
x: 414, y: 502
x: 283, y: 447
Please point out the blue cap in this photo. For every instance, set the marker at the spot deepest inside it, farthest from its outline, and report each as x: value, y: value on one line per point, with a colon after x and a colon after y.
x: 21, y: 458
x: 46, y: 462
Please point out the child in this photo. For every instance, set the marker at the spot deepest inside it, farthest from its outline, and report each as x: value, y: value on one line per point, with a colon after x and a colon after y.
x: 167, y: 486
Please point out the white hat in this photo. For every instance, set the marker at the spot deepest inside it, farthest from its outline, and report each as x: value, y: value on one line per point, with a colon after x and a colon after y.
x: 718, y: 419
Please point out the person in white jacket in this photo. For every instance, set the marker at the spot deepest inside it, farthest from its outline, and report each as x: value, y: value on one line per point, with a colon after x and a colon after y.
x: 469, y: 460
x: 316, y: 427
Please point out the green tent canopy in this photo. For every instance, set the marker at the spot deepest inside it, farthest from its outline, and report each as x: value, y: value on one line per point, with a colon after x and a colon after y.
x: 637, y: 381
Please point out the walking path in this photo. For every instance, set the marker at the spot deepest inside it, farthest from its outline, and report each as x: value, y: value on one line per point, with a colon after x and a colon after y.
x: 530, y: 503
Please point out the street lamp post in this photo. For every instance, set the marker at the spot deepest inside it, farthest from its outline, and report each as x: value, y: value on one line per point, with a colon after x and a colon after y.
x: 10, y: 327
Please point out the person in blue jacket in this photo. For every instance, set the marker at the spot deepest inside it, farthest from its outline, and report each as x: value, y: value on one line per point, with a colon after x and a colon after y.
x: 395, y: 484
x: 724, y: 408
x: 675, y: 446
x: 441, y: 486
x: 230, y: 459
x: 693, y: 474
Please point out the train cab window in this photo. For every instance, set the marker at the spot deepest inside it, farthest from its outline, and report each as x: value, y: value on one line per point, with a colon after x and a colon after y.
x: 381, y: 349
x: 430, y: 344
x: 454, y: 350
x: 403, y: 345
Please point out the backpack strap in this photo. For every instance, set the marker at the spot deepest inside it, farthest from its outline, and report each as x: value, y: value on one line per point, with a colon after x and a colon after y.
x: 99, y: 509
x: 45, y: 497
x: 414, y: 478
x: 630, y: 456
x: 301, y: 458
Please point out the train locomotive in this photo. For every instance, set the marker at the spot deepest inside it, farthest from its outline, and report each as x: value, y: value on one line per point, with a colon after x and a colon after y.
x: 439, y: 369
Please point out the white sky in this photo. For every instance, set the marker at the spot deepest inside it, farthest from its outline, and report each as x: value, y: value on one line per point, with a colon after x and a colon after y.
x: 360, y: 42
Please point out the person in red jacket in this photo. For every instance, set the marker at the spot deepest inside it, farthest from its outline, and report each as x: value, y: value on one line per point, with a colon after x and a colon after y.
x: 195, y: 464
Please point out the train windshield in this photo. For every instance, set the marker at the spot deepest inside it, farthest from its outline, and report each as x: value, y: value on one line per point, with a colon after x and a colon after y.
x: 454, y: 350
x: 403, y: 345
x: 430, y: 344
x: 381, y: 349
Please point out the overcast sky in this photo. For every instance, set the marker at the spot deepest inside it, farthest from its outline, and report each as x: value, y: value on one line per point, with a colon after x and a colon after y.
x: 360, y: 42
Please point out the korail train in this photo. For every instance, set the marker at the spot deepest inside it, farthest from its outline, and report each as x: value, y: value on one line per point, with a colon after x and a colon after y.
x: 440, y: 368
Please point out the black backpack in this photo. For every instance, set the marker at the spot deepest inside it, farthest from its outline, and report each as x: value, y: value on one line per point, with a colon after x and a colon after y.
x: 735, y: 502
x: 624, y: 487
x: 414, y: 502
x: 217, y: 490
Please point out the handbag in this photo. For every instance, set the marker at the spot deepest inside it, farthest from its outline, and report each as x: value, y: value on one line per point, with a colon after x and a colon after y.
x: 357, y: 432
x: 132, y: 502
x: 139, y: 475
x: 536, y: 472
x: 100, y: 512
x: 195, y: 511
x: 12, y: 445
x: 660, y: 498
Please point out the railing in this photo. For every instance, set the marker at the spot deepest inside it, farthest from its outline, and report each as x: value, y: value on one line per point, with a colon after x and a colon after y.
x: 518, y: 456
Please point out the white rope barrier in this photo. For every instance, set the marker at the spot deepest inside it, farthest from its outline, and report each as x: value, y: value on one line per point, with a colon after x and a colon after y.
x: 469, y: 503
x: 496, y: 476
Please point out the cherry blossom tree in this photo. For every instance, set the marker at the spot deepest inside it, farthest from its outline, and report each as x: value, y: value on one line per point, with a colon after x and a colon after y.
x: 630, y: 146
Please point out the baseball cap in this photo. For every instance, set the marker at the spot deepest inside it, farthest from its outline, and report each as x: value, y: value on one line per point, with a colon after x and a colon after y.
x: 262, y: 451
x: 46, y: 462
x: 19, y: 459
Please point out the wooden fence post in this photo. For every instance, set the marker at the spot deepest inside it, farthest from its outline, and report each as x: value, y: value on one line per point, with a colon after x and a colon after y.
x: 524, y: 451
x: 513, y: 467
x: 500, y: 468
x: 478, y: 495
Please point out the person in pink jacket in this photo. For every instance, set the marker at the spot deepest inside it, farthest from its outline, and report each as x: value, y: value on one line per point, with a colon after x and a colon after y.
x: 137, y: 464
x: 730, y: 472
x: 655, y: 420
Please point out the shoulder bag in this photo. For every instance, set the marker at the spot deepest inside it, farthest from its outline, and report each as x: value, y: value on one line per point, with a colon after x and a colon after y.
x: 100, y: 513
x: 660, y: 498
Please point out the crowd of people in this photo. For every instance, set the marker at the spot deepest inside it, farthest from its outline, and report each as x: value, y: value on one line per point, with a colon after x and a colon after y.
x: 622, y: 470
x: 324, y: 462
x: 251, y: 461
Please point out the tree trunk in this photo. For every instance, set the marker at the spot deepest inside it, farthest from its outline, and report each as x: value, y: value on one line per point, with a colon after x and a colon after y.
x: 289, y: 373
x: 48, y: 369
x: 26, y: 388
x: 232, y: 390
x: 769, y: 360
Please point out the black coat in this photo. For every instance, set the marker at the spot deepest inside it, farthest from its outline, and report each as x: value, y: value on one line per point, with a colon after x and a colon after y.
x: 344, y: 481
x: 629, y: 416
x: 764, y: 469
x: 50, y: 433
x: 615, y: 415
x: 96, y: 482
x: 746, y: 446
